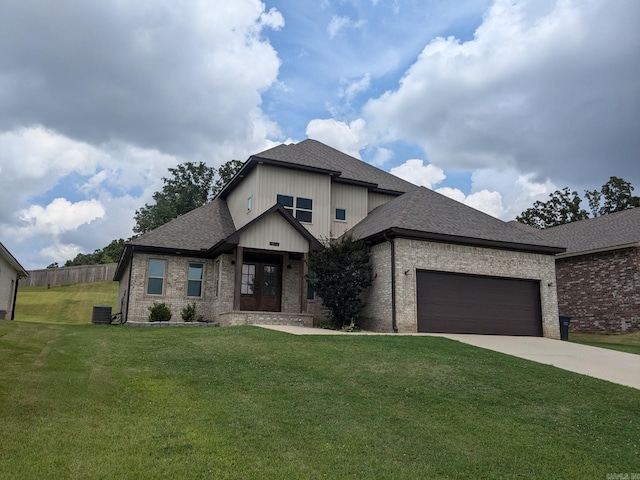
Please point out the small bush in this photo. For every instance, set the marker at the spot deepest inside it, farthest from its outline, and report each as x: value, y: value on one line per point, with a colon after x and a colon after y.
x: 189, y: 313
x: 159, y: 313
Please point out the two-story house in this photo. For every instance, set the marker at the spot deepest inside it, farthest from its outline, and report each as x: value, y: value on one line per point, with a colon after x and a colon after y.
x: 438, y: 264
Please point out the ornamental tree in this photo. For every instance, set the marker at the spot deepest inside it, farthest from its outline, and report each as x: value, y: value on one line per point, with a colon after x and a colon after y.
x: 340, y: 273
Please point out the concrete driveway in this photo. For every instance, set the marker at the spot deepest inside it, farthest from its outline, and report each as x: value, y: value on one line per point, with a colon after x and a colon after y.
x: 617, y: 367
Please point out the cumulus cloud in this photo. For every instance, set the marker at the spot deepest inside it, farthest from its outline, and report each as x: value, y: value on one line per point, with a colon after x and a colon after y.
x: 180, y: 83
x: 347, y: 138
x: 543, y: 87
x: 59, y: 216
x: 416, y: 172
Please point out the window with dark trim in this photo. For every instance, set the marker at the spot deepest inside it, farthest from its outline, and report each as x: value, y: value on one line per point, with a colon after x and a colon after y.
x: 248, y: 279
x: 341, y: 214
x: 194, y: 283
x: 155, y: 278
x: 303, y: 209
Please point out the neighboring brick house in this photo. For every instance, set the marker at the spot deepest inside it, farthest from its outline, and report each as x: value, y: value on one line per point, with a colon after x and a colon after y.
x: 438, y: 265
x: 599, y: 274
x: 10, y: 273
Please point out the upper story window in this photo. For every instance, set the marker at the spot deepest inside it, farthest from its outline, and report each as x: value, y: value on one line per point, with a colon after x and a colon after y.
x: 194, y: 283
x: 341, y: 214
x: 155, y: 279
x: 301, y: 208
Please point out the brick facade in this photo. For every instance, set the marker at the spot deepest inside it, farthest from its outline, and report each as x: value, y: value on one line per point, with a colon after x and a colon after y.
x: 218, y: 290
x: 412, y: 255
x: 601, y: 291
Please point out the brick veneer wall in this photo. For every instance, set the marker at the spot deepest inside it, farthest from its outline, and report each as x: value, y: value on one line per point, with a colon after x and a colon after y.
x: 414, y: 254
x: 376, y: 315
x: 601, y: 292
x: 217, y: 297
x: 175, y: 288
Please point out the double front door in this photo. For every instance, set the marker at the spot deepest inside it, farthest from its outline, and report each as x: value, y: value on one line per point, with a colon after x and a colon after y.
x: 261, y: 288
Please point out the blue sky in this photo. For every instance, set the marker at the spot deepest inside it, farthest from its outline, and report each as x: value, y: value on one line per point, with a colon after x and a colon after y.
x: 493, y: 103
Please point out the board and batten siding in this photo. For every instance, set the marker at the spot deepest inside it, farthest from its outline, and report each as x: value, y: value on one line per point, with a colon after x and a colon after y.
x: 316, y: 186
x: 376, y: 199
x: 237, y: 200
x: 351, y: 198
x: 273, y: 233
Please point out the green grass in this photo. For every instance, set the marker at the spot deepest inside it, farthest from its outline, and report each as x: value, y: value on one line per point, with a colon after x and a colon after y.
x: 100, y: 401
x: 628, y: 342
x: 64, y: 304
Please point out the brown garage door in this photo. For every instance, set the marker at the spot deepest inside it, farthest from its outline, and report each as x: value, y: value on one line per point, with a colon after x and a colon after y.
x: 455, y: 303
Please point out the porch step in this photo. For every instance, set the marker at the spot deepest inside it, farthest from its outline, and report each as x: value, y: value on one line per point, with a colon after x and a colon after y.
x: 266, y: 318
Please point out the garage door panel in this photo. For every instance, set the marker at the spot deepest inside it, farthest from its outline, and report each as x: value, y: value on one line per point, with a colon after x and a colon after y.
x: 455, y: 303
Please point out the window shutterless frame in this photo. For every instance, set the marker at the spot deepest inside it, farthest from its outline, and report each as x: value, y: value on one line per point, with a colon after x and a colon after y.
x: 155, y: 277
x: 194, y: 283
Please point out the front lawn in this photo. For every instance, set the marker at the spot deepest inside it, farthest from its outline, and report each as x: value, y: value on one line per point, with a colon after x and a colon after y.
x: 628, y: 342
x: 106, y: 401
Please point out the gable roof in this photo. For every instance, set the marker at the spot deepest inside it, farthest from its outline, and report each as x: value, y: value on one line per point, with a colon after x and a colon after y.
x: 425, y: 214
x: 314, y: 244
x: 196, y: 230
x: 11, y: 260
x: 314, y: 156
x: 206, y: 231
x: 607, y: 232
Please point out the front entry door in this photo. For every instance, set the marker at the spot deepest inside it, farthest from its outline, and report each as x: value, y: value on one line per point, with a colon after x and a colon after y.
x: 260, y: 289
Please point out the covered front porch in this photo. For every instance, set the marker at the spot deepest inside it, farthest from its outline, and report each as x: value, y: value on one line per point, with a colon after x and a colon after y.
x: 270, y: 288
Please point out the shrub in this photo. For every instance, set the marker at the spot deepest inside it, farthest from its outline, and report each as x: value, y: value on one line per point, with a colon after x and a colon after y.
x: 159, y: 312
x: 341, y: 273
x: 189, y: 312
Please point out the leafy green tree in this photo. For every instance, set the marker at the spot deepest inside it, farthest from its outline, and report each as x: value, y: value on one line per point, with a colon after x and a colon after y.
x: 614, y: 196
x: 109, y: 254
x: 341, y: 272
x: 562, y: 207
x: 225, y: 174
x: 190, y: 186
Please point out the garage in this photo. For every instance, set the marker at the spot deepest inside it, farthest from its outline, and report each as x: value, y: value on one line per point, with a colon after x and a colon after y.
x: 460, y: 303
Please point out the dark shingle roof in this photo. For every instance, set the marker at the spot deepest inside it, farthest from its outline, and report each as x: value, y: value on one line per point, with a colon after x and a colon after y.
x: 199, y: 229
x: 316, y: 155
x: 601, y: 233
x: 427, y: 214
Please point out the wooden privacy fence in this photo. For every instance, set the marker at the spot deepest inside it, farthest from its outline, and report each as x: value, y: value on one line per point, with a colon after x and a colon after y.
x: 70, y: 275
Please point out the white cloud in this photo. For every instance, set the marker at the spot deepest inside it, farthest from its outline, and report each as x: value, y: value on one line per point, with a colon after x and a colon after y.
x: 339, y: 24
x: 484, y: 200
x: 59, y: 216
x: 416, y: 172
x: 545, y: 87
x: 347, y: 138
x: 354, y: 88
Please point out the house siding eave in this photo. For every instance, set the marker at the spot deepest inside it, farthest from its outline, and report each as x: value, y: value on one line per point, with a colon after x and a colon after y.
x: 255, y: 160
x: 380, y: 237
x: 598, y: 250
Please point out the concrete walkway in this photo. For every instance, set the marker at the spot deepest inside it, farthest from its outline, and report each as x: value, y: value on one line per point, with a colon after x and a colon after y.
x: 611, y: 365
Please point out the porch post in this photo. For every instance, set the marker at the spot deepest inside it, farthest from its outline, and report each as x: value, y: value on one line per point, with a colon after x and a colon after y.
x: 303, y: 283
x: 238, y: 279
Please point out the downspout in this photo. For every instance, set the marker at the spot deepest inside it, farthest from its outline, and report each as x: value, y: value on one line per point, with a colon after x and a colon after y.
x: 15, y: 296
x: 394, y: 325
x: 126, y: 317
